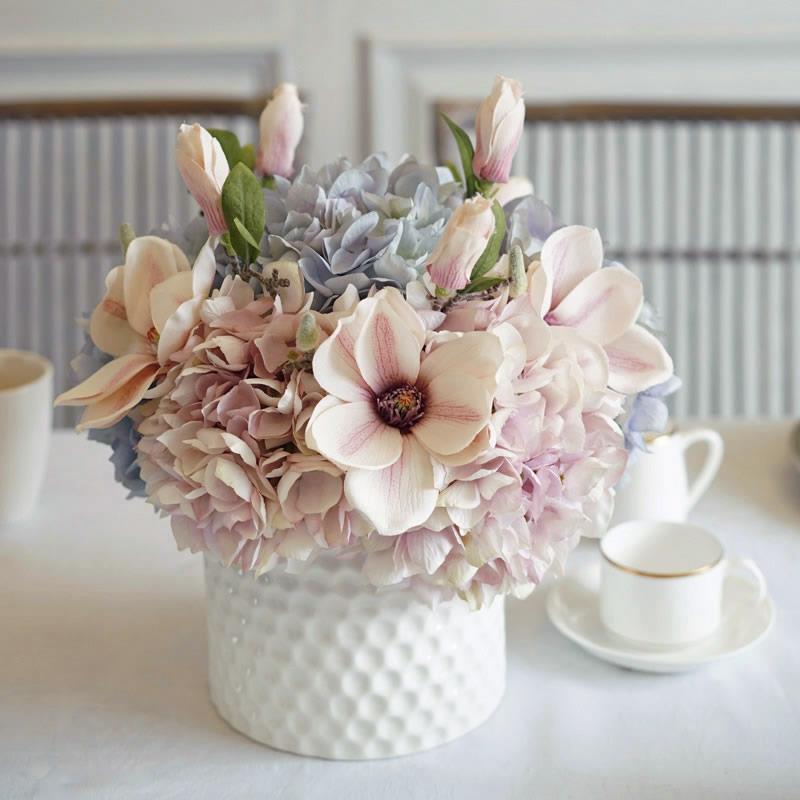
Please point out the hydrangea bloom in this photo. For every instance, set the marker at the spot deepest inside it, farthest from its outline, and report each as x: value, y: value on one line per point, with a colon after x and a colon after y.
x: 362, y: 225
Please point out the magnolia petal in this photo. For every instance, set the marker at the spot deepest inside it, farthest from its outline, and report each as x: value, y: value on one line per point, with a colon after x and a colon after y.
x: 106, y: 380
x: 204, y: 270
x: 540, y: 287
x: 107, y: 410
x: 387, y: 353
x: 637, y: 361
x: 167, y: 296
x: 334, y: 363
x: 354, y: 435
x: 109, y: 326
x: 456, y: 408
x: 177, y: 328
x: 478, y: 354
x: 148, y: 262
x: 569, y: 255
x: 398, y: 497
x: 603, y: 306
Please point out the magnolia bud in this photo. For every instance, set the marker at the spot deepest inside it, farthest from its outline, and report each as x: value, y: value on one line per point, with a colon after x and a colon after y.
x: 463, y: 241
x: 204, y: 168
x: 281, y: 127
x: 501, y: 117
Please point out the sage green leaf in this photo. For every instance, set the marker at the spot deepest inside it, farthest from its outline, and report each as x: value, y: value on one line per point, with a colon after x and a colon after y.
x: 466, y: 152
x: 243, y: 200
x: 492, y: 252
x: 247, y: 155
x: 229, y: 142
x: 126, y: 235
x: 481, y: 285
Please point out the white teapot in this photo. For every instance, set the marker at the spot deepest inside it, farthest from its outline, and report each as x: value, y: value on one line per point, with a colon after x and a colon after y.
x: 657, y: 486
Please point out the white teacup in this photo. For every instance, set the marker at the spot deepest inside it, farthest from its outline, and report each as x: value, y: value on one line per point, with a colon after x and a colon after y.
x: 663, y: 581
x: 658, y: 487
x: 26, y: 402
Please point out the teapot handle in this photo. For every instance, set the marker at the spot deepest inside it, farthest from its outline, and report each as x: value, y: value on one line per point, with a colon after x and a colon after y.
x: 708, y: 472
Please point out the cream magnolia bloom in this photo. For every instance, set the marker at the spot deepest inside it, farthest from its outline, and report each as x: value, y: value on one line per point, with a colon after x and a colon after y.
x: 463, y: 241
x: 204, y: 169
x: 396, y: 410
x: 281, y: 128
x: 498, y: 130
x: 593, y: 310
x: 151, y: 304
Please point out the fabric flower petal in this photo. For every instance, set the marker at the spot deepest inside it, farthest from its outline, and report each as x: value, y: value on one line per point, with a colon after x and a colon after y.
x: 396, y: 498
x: 603, y: 306
x: 354, y: 435
x: 148, y: 262
x: 456, y: 408
x: 637, y: 360
x: 569, y: 255
x: 387, y: 353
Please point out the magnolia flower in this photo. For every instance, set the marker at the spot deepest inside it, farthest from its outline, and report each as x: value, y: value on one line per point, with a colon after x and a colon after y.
x: 151, y: 304
x: 396, y: 411
x: 204, y: 169
x: 498, y: 130
x: 588, y: 305
x: 281, y: 127
x: 463, y: 241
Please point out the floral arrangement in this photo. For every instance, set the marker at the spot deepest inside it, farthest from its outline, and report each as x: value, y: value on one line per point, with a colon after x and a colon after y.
x: 412, y: 365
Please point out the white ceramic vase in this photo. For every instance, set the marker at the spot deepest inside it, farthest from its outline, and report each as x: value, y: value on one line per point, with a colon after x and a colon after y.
x: 321, y: 664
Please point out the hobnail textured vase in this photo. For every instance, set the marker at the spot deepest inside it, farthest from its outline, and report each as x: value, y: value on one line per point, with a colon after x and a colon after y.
x: 321, y: 664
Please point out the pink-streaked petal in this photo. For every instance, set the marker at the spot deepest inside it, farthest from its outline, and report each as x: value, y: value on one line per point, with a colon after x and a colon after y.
x: 109, y: 326
x: 637, y: 361
x: 456, y: 408
x: 106, y: 380
x: 569, y: 255
x: 354, y: 435
x: 398, y: 497
x: 110, y: 409
x: 387, y: 353
x: 149, y: 261
x: 477, y: 354
x: 603, y: 306
x: 334, y: 364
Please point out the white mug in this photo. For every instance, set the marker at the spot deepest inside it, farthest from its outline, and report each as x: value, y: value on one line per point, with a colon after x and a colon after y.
x: 26, y: 403
x: 662, y: 582
x: 657, y: 485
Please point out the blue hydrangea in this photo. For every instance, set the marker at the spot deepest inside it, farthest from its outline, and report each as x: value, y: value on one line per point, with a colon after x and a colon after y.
x: 364, y: 225
x: 648, y: 413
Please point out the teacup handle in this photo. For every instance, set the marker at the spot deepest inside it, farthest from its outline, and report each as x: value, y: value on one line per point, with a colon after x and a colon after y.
x: 708, y: 472
x: 748, y: 569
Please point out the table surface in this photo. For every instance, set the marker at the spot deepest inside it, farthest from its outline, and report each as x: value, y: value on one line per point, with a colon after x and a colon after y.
x: 103, y: 670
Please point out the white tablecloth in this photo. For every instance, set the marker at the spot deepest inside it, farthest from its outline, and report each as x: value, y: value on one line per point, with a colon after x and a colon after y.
x: 103, y: 673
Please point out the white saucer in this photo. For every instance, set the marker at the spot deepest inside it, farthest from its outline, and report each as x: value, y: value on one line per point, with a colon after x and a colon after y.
x: 573, y: 607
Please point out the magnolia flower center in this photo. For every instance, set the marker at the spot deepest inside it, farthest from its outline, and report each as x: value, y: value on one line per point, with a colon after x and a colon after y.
x: 402, y: 406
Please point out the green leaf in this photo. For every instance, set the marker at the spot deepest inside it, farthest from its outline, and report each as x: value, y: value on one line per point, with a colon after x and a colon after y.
x: 492, y: 252
x: 229, y: 142
x: 126, y: 235
x: 481, y: 285
x: 245, y: 234
x: 247, y: 155
x: 268, y: 182
x: 243, y: 201
x: 466, y: 151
